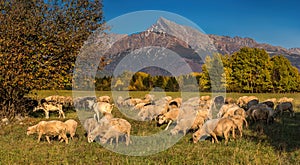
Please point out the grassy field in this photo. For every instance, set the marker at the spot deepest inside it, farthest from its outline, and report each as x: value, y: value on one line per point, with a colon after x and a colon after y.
x: 278, y: 143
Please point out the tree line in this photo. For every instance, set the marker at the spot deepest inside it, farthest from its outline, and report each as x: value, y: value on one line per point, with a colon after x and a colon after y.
x: 250, y: 70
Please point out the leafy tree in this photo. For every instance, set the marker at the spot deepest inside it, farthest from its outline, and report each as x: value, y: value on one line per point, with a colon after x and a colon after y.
x: 212, y: 74
x: 251, y: 70
x: 285, y: 77
x: 39, y: 41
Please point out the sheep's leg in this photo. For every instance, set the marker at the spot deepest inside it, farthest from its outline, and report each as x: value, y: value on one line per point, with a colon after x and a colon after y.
x: 214, y: 137
x: 63, y: 114
x: 47, y: 114
x: 168, y: 125
x: 48, y: 139
x: 39, y: 137
x: 226, y: 136
x: 64, y: 136
x: 233, y: 132
x: 240, y: 130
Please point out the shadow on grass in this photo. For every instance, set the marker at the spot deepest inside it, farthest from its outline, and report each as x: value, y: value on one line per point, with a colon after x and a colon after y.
x: 282, y: 134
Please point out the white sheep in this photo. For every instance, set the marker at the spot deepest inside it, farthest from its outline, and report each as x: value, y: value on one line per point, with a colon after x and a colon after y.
x: 49, y: 128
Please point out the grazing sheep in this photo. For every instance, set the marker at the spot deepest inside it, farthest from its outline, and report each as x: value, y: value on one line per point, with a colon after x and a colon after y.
x: 274, y: 100
x: 49, y: 107
x: 49, y: 128
x: 285, y: 99
x: 169, y: 117
x: 182, y: 125
x: 229, y: 100
x: 268, y: 103
x: 175, y: 103
x: 71, y: 127
x: 105, y: 99
x: 249, y: 104
x: 150, y: 112
x: 244, y: 100
x: 100, y: 107
x: 239, y: 121
x: 284, y: 107
x: 227, y: 110
x: 119, y: 125
x: 205, y: 98
x: 90, y: 124
x: 262, y: 112
x: 214, y: 128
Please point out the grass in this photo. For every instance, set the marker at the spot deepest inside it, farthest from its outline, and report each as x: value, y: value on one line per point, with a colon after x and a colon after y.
x: 277, y: 143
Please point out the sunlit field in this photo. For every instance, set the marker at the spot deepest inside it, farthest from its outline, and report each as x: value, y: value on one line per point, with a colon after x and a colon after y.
x: 277, y: 143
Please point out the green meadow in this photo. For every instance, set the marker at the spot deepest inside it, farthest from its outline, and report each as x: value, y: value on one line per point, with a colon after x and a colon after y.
x: 277, y: 143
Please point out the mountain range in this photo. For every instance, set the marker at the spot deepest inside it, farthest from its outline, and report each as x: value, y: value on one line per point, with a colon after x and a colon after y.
x: 185, y: 41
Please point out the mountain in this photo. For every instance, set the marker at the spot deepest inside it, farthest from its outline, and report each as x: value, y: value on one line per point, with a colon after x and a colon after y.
x: 228, y: 45
x: 166, y: 44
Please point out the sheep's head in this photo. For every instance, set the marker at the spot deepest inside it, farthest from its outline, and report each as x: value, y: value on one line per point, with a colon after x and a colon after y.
x: 31, y: 130
x: 195, y: 137
x: 91, y: 138
x: 161, y: 119
x: 38, y: 108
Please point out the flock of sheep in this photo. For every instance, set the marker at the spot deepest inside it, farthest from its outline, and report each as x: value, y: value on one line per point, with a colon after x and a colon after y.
x: 195, y: 114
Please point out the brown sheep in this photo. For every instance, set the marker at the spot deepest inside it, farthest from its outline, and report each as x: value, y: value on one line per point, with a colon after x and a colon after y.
x: 239, y: 121
x: 169, y: 117
x: 49, y: 128
x: 214, y: 128
x: 284, y: 107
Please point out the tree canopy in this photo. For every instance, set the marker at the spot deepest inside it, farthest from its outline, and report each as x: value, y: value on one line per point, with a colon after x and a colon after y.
x: 39, y: 41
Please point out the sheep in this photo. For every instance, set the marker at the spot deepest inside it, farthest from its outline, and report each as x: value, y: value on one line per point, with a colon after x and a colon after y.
x: 274, y: 100
x: 238, y: 121
x: 225, y: 108
x: 261, y: 112
x: 71, y: 127
x: 268, y: 103
x: 122, y: 126
x: 169, y: 117
x: 285, y: 99
x: 103, y: 99
x: 190, y: 120
x: 100, y: 107
x: 249, y: 104
x: 150, y: 112
x: 242, y: 101
x: 175, y: 103
x: 214, y: 128
x: 229, y: 100
x: 49, y: 107
x: 49, y: 128
x: 119, y: 127
x: 283, y: 107
x: 182, y: 125
x: 90, y: 124
x: 205, y: 98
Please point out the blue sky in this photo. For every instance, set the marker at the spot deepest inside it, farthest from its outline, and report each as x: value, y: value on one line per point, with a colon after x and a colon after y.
x: 274, y: 22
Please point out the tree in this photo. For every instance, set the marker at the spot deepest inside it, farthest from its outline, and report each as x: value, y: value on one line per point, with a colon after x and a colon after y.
x: 251, y: 70
x: 39, y: 41
x: 212, y: 77
x: 285, y: 77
